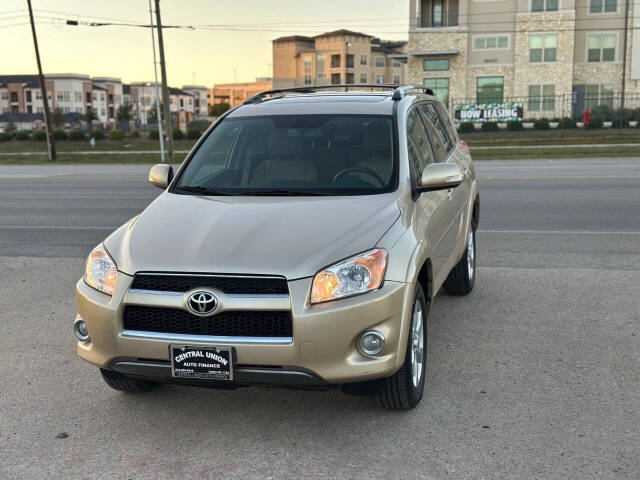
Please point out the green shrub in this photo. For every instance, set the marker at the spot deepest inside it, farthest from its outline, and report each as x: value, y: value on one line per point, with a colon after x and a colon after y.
x: 153, y: 134
x: 97, y: 134
x: 201, y: 125
x: 59, y: 135
x: 193, y: 134
x: 116, y: 135
x: 22, y: 135
x: 515, y: 126
x: 603, y: 113
x: 134, y: 134
x: 617, y: 123
x: 76, y: 135
x: 178, y: 134
x: 466, y: 127
x: 4, y: 137
x: 595, y: 123
x: 567, y: 123
x: 541, y: 124
x: 490, y: 127
x: 39, y: 135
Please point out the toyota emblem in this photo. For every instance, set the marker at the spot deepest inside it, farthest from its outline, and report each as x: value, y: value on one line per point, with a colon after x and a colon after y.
x: 202, y: 303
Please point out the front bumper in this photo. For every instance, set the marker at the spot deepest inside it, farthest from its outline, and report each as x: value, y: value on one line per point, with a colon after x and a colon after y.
x: 322, y: 350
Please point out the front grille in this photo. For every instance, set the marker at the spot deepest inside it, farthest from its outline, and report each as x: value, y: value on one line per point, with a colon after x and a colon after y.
x: 227, y: 284
x: 248, y: 323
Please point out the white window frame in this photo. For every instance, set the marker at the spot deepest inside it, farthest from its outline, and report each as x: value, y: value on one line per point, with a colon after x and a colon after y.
x: 365, y: 77
x: 545, y: 8
x: 473, y: 42
x: 541, y: 97
x: 384, y: 63
x: 543, y: 35
x: 365, y: 58
x: 598, y: 33
x: 616, y: 11
x: 380, y: 79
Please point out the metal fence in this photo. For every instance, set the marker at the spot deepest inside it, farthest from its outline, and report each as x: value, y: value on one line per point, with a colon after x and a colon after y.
x: 606, y: 105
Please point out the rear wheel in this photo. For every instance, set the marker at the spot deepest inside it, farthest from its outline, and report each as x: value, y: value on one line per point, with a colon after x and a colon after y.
x: 463, y: 276
x: 119, y: 381
x: 404, y: 389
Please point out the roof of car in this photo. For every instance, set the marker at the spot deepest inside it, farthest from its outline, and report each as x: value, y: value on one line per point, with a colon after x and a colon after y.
x: 323, y: 101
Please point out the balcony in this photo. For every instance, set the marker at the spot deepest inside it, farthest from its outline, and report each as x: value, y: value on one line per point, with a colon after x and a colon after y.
x: 438, y: 14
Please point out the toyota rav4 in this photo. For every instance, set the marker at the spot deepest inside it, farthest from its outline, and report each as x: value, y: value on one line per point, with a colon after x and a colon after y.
x: 300, y: 244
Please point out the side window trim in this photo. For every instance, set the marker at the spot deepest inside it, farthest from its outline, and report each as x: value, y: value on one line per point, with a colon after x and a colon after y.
x: 411, y: 170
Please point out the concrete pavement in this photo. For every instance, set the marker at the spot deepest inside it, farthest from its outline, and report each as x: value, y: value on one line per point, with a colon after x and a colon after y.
x: 533, y: 375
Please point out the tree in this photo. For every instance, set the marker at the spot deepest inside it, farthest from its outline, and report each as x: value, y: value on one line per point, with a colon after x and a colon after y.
x: 10, y: 128
x: 218, y: 109
x: 57, y: 118
x: 152, y: 114
x: 124, y: 113
x: 90, y: 116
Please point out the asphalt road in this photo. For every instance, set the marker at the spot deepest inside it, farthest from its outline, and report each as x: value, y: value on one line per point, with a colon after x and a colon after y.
x: 536, y: 374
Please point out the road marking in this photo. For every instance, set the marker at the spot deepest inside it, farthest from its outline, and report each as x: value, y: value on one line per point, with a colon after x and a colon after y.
x: 54, y: 227
x: 568, y: 232
x: 582, y: 145
x: 558, y: 177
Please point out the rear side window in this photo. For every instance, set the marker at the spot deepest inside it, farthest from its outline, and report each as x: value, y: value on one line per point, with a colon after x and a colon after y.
x: 417, y: 144
x: 446, y: 121
x: 437, y: 132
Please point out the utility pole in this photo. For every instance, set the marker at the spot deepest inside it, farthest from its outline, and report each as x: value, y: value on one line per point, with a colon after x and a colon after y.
x: 155, y: 73
x: 165, y: 89
x: 51, y: 143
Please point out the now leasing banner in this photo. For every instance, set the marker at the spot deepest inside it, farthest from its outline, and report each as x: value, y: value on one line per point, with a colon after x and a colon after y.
x: 488, y: 112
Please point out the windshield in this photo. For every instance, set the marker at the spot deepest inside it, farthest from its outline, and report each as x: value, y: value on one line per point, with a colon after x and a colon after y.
x: 293, y: 155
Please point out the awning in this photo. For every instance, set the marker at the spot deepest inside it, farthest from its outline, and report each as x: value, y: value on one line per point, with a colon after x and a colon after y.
x: 435, y: 53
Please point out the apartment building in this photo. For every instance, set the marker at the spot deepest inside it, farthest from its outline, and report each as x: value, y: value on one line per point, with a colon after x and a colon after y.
x: 236, y: 93
x: 143, y: 98
x: 339, y: 57
x: 490, y: 51
x: 199, y: 93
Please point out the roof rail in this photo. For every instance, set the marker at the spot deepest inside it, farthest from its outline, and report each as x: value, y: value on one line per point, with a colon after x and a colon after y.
x: 259, y: 97
x: 399, y: 93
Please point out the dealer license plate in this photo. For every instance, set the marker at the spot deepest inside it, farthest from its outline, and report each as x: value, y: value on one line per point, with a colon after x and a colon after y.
x: 202, y: 362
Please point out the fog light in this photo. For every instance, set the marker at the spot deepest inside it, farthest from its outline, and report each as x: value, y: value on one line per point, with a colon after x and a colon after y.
x: 371, y: 343
x: 80, y: 329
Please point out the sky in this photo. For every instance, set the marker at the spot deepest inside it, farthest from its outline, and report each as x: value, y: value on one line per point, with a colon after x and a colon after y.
x: 203, y: 56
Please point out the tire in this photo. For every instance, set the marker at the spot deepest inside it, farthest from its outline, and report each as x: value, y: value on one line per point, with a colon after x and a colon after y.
x: 119, y: 381
x: 463, y: 276
x: 404, y: 389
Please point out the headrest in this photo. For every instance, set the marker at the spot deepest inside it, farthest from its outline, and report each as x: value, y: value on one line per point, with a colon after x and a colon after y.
x: 283, y: 145
x: 376, y: 137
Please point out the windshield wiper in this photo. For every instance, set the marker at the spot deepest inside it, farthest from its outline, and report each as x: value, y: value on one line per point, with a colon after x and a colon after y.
x: 201, y: 190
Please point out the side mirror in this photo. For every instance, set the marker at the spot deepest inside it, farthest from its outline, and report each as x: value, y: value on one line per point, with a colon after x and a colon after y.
x: 440, y: 176
x: 161, y: 175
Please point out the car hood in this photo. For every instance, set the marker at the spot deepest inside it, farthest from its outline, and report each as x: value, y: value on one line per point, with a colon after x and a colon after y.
x: 290, y: 236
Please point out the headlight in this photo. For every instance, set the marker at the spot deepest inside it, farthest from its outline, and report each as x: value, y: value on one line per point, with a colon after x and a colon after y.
x: 100, y: 271
x: 358, y: 274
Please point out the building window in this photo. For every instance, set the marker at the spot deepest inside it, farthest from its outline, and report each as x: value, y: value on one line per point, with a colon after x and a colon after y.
x: 29, y: 109
x: 60, y: 96
x: 363, y: 78
x: 542, y: 48
x: 439, y: 86
x: 436, y: 65
x: 396, y: 79
x: 380, y: 62
x: 544, y: 5
x: 77, y: 96
x: 363, y: 59
x: 491, y: 42
x: 14, y: 97
x: 599, y: 95
x: 335, y: 79
x: 601, y: 47
x: 5, y: 95
x: 396, y: 64
x: 350, y: 78
x: 335, y: 61
x: 320, y: 65
x: 603, y: 6
x: 88, y: 97
x: 489, y: 89
x: 308, y: 70
x: 28, y: 95
x: 542, y: 98
x: 38, y: 95
x: 379, y: 78
x: 350, y: 61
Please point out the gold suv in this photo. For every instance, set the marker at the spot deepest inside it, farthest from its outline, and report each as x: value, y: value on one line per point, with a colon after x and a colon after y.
x: 301, y: 243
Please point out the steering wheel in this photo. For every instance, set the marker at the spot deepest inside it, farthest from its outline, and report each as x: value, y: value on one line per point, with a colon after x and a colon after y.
x: 366, y: 170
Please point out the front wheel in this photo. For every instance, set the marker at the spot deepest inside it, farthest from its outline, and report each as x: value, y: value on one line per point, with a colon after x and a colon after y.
x: 463, y: 276
x: 404, y: 389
